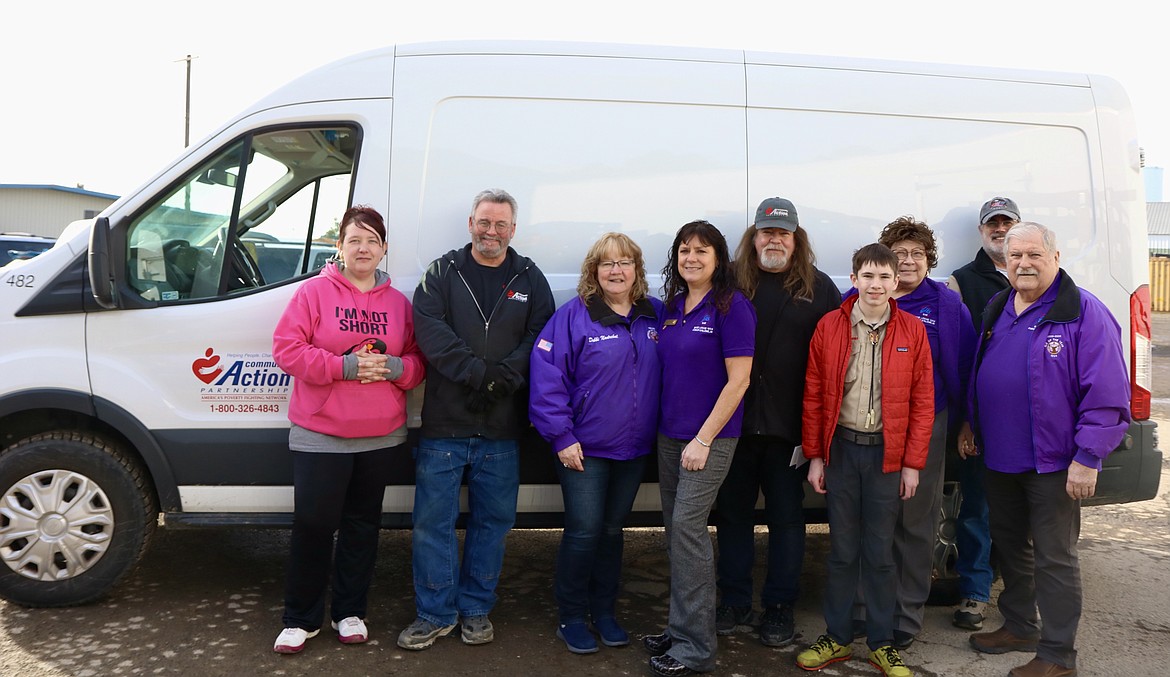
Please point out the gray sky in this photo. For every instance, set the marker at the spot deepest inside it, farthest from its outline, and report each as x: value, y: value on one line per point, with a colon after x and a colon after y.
x: 92, y: 93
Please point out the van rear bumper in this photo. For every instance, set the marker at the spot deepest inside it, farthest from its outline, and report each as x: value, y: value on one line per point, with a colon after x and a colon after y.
x: 1133, y: 471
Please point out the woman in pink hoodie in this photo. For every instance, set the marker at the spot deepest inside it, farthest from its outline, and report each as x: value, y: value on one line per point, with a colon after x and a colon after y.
x: 347, y: 338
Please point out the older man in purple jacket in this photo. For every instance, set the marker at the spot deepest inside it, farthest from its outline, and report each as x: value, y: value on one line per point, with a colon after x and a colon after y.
x: 1050, y: 401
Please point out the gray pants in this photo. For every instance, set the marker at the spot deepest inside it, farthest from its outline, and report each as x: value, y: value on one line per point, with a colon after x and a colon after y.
x: 1035, y: 527
x: 916, y: 532
x: 687, y: 497
x: 914, y: 538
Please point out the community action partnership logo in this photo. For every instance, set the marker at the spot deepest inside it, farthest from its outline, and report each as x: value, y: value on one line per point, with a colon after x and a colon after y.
x: 240, y: 377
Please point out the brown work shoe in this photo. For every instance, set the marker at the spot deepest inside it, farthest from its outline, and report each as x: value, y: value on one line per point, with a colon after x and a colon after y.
x: 1001, y: 641
x: 1038, y: 667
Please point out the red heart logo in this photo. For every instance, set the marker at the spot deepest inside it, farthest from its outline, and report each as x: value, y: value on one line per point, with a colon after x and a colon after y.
x: 206, y: 369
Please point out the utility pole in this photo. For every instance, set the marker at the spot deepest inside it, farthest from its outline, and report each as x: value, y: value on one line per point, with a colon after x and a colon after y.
x: 187, y: 113
x: 187, y: 124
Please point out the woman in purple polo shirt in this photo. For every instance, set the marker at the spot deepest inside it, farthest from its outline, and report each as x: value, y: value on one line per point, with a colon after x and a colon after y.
x: 705, y: 344
x: 595, y: 382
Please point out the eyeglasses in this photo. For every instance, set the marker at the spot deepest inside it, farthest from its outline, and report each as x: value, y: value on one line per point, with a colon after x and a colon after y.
x: 624, y: 264
x: 916, y: 254
x: 484, y: 226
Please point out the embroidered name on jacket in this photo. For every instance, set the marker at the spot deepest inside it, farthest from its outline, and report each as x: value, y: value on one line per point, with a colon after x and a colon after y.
x: 598, y: 339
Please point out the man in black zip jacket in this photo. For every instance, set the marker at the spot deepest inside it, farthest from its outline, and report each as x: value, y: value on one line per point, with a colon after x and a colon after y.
x: 976, y: 283
x: 477, y: 313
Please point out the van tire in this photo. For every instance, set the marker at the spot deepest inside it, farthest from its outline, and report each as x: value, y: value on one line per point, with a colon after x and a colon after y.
x: 76, y: 514
x: 944, y: 583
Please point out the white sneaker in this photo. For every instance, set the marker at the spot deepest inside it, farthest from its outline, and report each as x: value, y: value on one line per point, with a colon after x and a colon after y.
x: 292, y: 640
x: 351, y: 630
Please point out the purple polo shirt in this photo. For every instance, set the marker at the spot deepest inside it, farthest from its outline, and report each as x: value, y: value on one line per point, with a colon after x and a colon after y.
x: 1003, y: 386
x: 692, y: 348
x: 923, y: 304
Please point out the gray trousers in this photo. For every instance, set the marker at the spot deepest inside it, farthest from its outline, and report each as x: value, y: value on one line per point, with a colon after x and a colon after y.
x: 1035, y: 527
x: 687, y: 498
x: 915, y: 535
x: 914, y: 538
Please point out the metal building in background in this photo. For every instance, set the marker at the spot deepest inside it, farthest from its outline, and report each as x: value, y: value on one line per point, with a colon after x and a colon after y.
x: 45, y: 209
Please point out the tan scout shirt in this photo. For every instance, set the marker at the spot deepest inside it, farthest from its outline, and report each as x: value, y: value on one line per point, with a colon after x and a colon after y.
x: 861, y: 408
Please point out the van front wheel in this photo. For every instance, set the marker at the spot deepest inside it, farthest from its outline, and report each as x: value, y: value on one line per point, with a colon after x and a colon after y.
x: 76, y: 514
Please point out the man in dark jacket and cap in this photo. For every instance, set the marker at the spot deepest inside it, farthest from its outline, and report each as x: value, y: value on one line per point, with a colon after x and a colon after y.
x: 976, y: 283
x: 774, y: 266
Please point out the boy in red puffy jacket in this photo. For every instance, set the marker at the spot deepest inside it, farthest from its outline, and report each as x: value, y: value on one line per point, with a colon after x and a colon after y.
x: 868, y: 413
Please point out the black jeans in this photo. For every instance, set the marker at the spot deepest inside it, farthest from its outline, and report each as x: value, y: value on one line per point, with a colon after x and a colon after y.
x: 342, y: 493
x: 761, y: 463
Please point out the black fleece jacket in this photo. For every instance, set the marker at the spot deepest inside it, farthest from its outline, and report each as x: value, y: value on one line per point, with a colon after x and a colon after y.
x: 460, y: 341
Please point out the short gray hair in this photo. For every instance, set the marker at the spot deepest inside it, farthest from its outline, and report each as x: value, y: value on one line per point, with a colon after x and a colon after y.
x: 1028, y: 228
x: 497, y: 195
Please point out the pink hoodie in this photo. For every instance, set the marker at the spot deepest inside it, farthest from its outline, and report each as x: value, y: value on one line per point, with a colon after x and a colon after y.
x: 327, y: 318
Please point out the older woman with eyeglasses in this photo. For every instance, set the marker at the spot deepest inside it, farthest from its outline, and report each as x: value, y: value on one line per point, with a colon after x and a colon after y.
x: 595, y: 381
x: 952, y: 347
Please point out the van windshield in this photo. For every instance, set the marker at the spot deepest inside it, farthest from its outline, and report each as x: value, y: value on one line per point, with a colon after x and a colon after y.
x: 261, y: 211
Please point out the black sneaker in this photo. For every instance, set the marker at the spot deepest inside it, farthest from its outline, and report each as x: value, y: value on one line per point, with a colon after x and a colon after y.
x: 777, y: 627
x: 728, y: 618
x: 657, y: 644
x: 669, y: 666
x: 969, y: 615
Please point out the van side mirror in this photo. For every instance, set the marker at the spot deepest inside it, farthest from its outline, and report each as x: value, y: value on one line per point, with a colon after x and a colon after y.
x: 101, y: 272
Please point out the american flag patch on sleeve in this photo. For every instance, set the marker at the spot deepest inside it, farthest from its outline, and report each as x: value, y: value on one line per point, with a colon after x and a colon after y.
x: 545, y: 345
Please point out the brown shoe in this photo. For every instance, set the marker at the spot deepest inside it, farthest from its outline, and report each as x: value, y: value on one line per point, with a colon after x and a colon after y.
x: 1038, y: 667
x: 1001, y: 641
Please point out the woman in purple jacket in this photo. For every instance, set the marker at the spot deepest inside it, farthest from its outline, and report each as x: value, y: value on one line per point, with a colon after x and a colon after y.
x: 595, y: 383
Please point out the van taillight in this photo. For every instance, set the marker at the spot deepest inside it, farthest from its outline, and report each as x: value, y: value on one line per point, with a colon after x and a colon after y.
x: 1140, y: 362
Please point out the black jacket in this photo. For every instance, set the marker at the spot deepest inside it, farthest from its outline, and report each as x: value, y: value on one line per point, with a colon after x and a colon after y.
x: 460, y: 341
x: 784, y: 329
x: 978, y: 282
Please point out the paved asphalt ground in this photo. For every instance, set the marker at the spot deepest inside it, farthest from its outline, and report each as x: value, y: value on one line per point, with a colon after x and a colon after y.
x: 208, y: 602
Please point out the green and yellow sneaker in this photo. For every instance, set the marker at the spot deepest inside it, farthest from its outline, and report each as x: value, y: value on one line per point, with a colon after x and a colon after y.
x: 889, y: 661
x: 824, y: 651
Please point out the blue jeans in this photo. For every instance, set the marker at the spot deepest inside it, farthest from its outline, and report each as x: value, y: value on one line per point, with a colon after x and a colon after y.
x: 446, y: 589
x: 973, y: 533
x: 589, y: 561
x: 761, y: 463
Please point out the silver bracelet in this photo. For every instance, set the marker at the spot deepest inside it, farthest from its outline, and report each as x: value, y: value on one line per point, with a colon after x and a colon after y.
x: 705, y: 444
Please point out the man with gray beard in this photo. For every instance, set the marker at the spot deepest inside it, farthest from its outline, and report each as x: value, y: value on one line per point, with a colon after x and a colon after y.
x: 976, y: 283
x: 774, y: 266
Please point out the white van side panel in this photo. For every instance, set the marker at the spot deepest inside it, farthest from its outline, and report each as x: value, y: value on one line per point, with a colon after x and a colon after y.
x: 937, y: 147
x: 586, y: 145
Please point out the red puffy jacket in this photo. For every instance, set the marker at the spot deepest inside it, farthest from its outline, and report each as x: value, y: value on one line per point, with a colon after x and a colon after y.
x: 907, y: 387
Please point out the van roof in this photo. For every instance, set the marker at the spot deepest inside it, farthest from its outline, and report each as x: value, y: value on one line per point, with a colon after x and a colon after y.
x: 370, y: 74
x: 707, y: 54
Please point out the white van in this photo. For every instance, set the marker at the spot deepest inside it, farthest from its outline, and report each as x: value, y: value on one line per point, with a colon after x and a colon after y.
x: 138, y: 383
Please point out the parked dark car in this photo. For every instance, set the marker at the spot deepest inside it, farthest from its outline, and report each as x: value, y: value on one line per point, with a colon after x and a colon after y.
x: 18, y: 246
